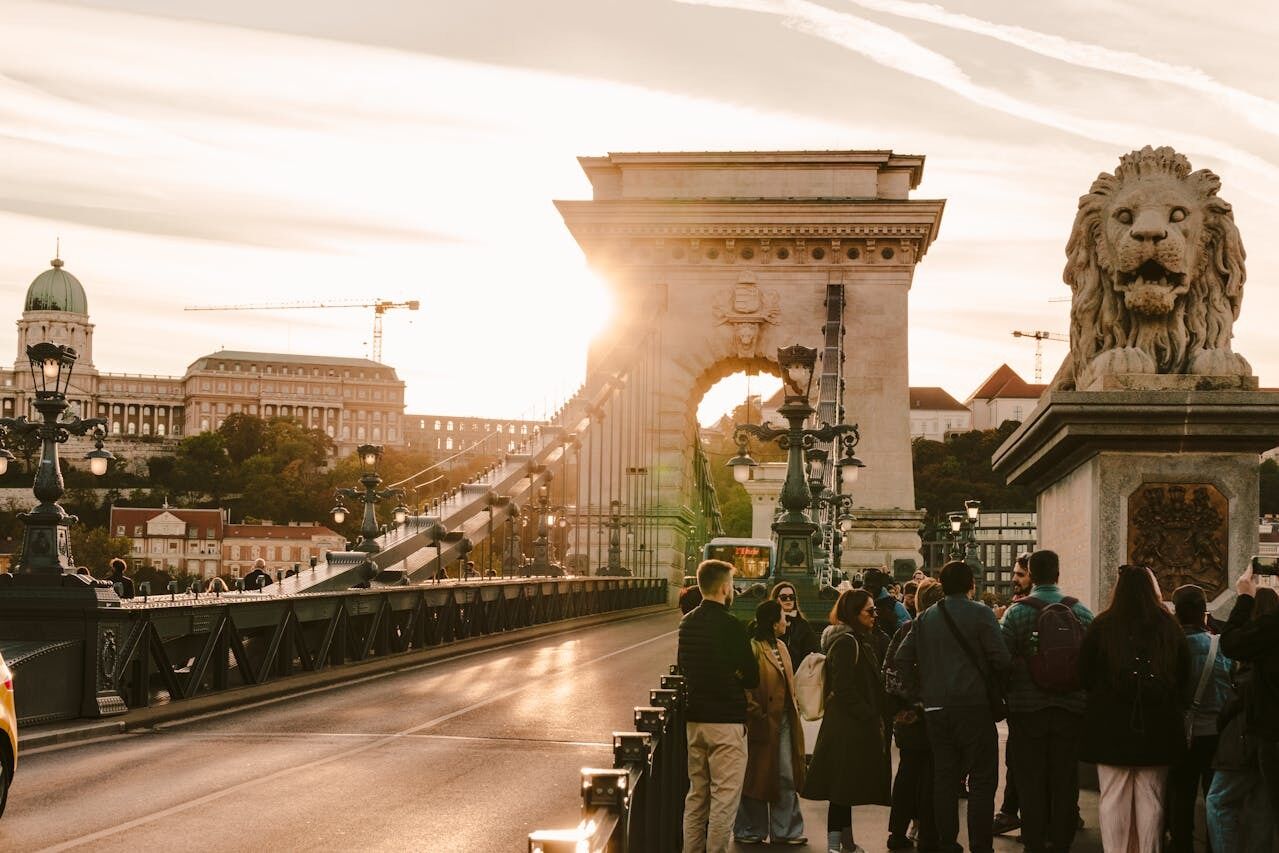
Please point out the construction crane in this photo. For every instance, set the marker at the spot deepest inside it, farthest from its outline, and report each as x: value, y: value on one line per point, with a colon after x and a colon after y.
x: 1040, y: 337
x: 379, y: 306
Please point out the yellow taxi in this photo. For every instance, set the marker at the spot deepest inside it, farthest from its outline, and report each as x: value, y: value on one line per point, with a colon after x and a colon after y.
x: 9, y: 728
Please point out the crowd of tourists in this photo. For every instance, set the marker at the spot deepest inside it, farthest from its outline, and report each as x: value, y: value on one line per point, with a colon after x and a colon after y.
x: 1169, y: 704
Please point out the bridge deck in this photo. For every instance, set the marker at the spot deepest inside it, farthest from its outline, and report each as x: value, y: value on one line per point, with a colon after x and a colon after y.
x: 466, y: 754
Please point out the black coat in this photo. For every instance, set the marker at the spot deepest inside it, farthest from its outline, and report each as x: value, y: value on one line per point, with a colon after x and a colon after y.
x: 715, y: 656
x: 1256, y: 641
x: 1127, y: 724
x: 850, y: 764
x: 800, y: 639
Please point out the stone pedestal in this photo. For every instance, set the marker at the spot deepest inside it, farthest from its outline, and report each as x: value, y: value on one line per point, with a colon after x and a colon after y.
x: 1164, y: 476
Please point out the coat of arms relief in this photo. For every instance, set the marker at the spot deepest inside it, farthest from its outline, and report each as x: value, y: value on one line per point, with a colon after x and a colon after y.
x: 746, y: 308
x: 1180, y: 531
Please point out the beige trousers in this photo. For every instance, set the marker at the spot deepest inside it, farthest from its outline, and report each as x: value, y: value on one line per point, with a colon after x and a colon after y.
x: 716, y: 772
x: 1132, y: 802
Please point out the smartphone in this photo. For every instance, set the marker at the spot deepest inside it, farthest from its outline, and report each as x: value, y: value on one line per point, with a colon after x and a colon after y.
x: 1265, y: 571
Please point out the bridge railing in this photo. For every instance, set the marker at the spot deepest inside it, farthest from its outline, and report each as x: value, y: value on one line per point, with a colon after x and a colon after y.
x: 637, y: 804
x: 170, y: 649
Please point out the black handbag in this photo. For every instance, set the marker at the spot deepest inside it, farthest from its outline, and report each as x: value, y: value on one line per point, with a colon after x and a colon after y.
x: 994, y: 694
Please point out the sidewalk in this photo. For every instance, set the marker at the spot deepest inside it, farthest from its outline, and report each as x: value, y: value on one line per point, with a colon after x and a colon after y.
x: 870, y: 823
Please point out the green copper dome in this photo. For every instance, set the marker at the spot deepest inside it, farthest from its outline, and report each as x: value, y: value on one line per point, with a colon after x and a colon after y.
x: 56, y: 289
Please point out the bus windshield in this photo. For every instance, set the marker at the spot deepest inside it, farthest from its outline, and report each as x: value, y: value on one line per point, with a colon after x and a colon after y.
x: 750, y: 561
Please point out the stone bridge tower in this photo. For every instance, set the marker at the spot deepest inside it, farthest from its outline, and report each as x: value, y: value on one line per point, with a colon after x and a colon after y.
x: 720, y: 258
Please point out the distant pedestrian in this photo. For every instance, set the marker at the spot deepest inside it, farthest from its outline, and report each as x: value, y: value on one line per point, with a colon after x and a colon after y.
x: 689, y: 597
x: 121, y: 578
x: 1210, y: 675
x: 470, y: 571
x: 258, y: 577
x: 1044, y: 632
x: 954, y: 659
x: 913, y: 784
x: 850, y: 760
x: 1237, y: 807
x: 919, y: 575
x: 1135, y: 665
x: 714, y: 654
x: 216, y: 584
x: 775, y: 741
x: 908, y: 597
x: 800, y: 638
x: 1008, y: 818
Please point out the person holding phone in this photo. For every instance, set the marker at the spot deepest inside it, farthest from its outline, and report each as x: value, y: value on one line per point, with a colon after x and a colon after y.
x: 1256, y: 641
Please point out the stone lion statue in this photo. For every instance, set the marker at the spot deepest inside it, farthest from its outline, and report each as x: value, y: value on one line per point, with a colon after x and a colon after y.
x: 1156, y: 270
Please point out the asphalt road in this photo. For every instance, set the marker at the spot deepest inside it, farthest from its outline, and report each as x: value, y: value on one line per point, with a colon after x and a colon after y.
x: 462, y: 755
x: 468, y: 755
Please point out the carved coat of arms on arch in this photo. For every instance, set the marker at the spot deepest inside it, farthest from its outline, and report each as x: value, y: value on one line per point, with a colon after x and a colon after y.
x: 746, y: 308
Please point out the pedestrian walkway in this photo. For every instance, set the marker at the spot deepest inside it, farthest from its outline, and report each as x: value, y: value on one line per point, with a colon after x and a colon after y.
x: 870, y: 823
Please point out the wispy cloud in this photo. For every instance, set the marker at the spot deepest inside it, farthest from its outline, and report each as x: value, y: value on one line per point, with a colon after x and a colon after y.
x: 1258, y: 111
x: 899, y: 52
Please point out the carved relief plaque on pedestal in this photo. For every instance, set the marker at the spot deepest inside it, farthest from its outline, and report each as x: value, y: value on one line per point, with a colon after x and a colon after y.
x: 1180, y: 530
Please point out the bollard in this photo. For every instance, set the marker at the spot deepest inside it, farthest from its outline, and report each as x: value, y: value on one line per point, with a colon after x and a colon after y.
x: 633, y: 751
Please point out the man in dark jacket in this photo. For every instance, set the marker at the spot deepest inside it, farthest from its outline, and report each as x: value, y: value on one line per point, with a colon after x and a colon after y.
x: 118, y: 576
x: 957, y: 710
x: 1256, y: 641
x: 718, y: 666
x: 1043, y: 725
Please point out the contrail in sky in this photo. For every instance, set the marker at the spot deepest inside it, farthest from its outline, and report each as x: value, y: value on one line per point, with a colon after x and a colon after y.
x: 1256, y: 110
x: 894, y: 50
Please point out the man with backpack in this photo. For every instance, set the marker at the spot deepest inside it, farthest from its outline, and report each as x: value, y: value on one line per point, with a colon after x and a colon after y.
x: 1044, y: 631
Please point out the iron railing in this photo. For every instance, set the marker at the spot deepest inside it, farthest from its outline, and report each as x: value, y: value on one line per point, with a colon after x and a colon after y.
x: 636, y: 805
x: 173, y: 648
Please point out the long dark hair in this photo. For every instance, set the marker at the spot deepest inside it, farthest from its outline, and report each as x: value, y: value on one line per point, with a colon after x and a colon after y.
x: 1136, y: 624
x: 778, y: 587
x: 767, y: 614
x: 1266, y: 601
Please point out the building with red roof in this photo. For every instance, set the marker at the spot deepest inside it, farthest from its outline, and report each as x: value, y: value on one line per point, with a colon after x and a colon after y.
x: 934, y: 414
x: 1004, y: 396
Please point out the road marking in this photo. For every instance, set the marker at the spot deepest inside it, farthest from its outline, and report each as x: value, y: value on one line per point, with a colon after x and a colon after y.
x: 243, y: 736
x: 320, y: 762
x: 287, y: 697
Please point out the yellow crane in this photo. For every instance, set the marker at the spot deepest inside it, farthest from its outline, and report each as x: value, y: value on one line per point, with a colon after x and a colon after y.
x: 379, y: 306
x: 1040, y: 337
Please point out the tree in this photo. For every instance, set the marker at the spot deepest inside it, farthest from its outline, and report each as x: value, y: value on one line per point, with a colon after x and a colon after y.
x: 202, y: 466
x: 95, y: 547
x: 948, y: 473
x: 243, y: 436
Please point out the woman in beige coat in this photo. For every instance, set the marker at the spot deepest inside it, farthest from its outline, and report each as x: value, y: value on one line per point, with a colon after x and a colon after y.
x: 774, y: 741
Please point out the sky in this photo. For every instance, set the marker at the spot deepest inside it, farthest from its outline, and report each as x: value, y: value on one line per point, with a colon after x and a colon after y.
x: 203, y: 152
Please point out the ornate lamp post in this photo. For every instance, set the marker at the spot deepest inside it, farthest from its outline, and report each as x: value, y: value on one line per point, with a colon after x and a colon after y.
x: 546, y: 518
x: 963, y: 539
x: 513, y: 559
x: 46, y: 546
x: 793, y: 531
x: 614, y: 526
x: 370, y: 496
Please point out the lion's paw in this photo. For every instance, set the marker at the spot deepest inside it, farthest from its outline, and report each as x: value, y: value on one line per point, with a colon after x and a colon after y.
x: 1219, y: 362
x: 1118, y: 361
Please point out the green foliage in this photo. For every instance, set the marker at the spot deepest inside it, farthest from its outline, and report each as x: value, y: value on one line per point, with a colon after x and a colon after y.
x: 95, y: 546
x: 948, y: 473
x: 734, y: 502
x: 242, y: 436
x: 1269, y: 487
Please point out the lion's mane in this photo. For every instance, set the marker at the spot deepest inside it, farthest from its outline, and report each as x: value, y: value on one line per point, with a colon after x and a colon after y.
x: 1202, y: 319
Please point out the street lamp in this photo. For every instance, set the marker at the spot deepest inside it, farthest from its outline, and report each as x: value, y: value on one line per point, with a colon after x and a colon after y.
x: 963, y: 538
x: 513, y: 559
x: 370, y: 496
x: 546, y: 516
x: 793, y: 531
x: 46, y: 546
x: 614, y: 526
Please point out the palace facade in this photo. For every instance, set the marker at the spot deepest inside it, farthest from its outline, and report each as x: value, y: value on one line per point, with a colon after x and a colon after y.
x: 353, y: 400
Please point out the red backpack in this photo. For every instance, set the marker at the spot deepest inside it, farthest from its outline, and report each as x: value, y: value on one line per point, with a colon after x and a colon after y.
x: 1053, y: 663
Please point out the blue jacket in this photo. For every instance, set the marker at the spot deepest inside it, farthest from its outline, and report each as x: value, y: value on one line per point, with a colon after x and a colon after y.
x: 1218, y: 691
x: 903, y: 615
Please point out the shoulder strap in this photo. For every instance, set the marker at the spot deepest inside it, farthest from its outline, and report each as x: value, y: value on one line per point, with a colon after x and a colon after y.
x: 1206, y: 675
x: 963, y: 644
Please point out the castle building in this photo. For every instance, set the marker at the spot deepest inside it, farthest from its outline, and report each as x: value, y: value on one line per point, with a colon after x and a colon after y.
x: 353, y: 400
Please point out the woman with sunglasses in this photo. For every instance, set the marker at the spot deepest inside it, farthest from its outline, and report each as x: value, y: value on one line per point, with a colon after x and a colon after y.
x: 800, y: 638
x: 1135, y: 664
x: 850, y: 764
